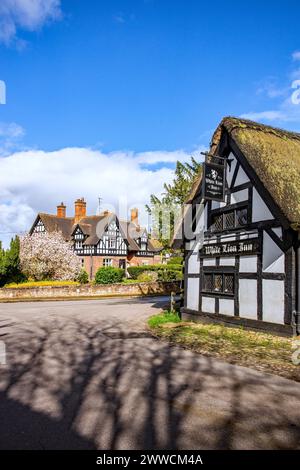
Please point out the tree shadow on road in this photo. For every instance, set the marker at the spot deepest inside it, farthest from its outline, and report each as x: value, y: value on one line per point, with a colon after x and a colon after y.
x: 73, y: 384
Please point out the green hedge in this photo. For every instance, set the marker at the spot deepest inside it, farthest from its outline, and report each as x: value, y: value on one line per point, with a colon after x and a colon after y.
x: 109, y: 275
x: 165, y: 272
x: 177, y: 260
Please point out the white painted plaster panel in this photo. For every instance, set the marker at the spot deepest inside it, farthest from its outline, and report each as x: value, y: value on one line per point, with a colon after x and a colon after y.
x: 248, y: 298
x: 226, y: 307
x: 215, y: 205
x: 231, y: 168
x: 247, y: 236
x: 193, y: 264
x: 248, y: 264
x: 273, y: 301
x: 278, y: 231
x: 227, y: 261
x: 209, y: 262
x: 239, y: 196
x: 228, y: 239
x: 241, y: 177
x: 208, y: 304
x: 193, y: 294
x: 260, y: 210
x: 273, y: 256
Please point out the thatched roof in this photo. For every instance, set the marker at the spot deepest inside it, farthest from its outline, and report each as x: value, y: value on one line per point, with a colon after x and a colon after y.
x: 274, y: 155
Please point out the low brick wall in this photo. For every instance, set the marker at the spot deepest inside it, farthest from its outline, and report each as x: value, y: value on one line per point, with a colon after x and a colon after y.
x: 60, y: 292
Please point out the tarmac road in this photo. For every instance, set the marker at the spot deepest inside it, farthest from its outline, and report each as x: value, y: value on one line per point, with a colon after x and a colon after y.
x: 88, y: 375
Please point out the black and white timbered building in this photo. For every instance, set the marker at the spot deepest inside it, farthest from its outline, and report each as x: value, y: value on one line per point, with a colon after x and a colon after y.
x: 241, y: 240
x: 101, y: 240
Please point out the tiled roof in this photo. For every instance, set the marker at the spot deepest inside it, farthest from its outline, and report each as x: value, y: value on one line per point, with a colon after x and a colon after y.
x: 94, y: 227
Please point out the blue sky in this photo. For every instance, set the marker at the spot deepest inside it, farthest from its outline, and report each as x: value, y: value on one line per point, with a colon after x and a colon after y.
x: 145, y: 80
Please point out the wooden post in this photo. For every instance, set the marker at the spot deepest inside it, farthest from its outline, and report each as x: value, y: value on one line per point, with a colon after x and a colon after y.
x: 172, y: 302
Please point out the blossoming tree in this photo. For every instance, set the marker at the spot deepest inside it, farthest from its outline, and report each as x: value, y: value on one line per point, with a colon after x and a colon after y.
x: 48, y: 256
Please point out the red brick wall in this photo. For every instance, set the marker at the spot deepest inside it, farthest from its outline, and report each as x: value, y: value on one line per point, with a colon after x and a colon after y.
x: 96, y: 262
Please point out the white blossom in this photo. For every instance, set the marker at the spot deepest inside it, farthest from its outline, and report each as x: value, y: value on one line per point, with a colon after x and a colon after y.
x: 48, y: 256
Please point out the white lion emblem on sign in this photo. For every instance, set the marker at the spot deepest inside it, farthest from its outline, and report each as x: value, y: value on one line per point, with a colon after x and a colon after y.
x: 214, y: 174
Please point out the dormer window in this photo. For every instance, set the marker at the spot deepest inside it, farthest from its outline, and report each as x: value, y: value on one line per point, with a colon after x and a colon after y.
x: 40, y: 227
x: 143, y: 243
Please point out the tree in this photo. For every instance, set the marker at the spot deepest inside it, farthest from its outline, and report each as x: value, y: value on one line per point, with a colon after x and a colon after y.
x: 10, y: 270
x: 165, y: 209
x: 48, y: 256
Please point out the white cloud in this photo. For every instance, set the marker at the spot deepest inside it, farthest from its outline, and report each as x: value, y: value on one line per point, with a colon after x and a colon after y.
x: 296, y: 55
x: 154, y: 158
x: 10, y: 137
x: 287, y: 112
x: 264, y: 115
x: 33, y: 181
x: 29, y: 15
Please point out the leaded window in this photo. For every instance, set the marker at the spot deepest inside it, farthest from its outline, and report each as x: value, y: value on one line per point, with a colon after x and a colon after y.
x: 218, y: 283
x: 229, y: 219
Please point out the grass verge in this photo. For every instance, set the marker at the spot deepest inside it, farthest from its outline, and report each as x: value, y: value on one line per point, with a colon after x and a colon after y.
x: 260, y: 351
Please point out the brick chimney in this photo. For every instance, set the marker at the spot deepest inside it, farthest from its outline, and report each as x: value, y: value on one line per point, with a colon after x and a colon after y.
x: 80, y: 209
x: 134, y: 216
x: 61, y: 210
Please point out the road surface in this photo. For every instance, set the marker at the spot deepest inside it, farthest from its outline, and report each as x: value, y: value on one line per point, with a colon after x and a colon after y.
x: 87, y: 375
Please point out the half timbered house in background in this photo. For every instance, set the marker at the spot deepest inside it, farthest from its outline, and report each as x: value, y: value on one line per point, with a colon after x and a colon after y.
x: 242, y: 261
x: 101, y: 240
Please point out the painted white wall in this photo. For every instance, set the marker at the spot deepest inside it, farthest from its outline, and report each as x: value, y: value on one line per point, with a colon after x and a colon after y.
x: 247, y: 236
x: 194, y: 264
x: 226, y: 307
x: 248, y: 298
x: 248, y: 264
x: 241, y: 177
x: 209, y: 262
x: 208, y: 305
x: 278, y: 231
x: 193, y: 294
x: 273, y: 301
x: 260, y: 211
x: 230, y: 171
x: 273, y: 256
x: 239, y: 196
x: 217, y: 205
x: 227, y: 261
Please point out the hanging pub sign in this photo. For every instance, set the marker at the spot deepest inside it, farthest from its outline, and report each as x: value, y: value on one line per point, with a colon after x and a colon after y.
x: 214, y: 181
x: 248, y: 247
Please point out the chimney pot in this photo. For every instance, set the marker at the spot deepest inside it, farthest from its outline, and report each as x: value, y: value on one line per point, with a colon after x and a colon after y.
x: 80, y: 209
x: 135, y: 216
x: 61, y: 210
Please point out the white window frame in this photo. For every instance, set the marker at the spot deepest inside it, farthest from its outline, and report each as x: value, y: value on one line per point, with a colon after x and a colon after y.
x: 107, y: 262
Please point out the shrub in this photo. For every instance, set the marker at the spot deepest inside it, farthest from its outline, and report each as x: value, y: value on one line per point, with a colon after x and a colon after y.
x: 165, y: 272
x: 148, y: 276
x: 83, y: 277
x: 135, y: 271
x: 177, y: 260
x: 109, y: 275
x: 169, y: 275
